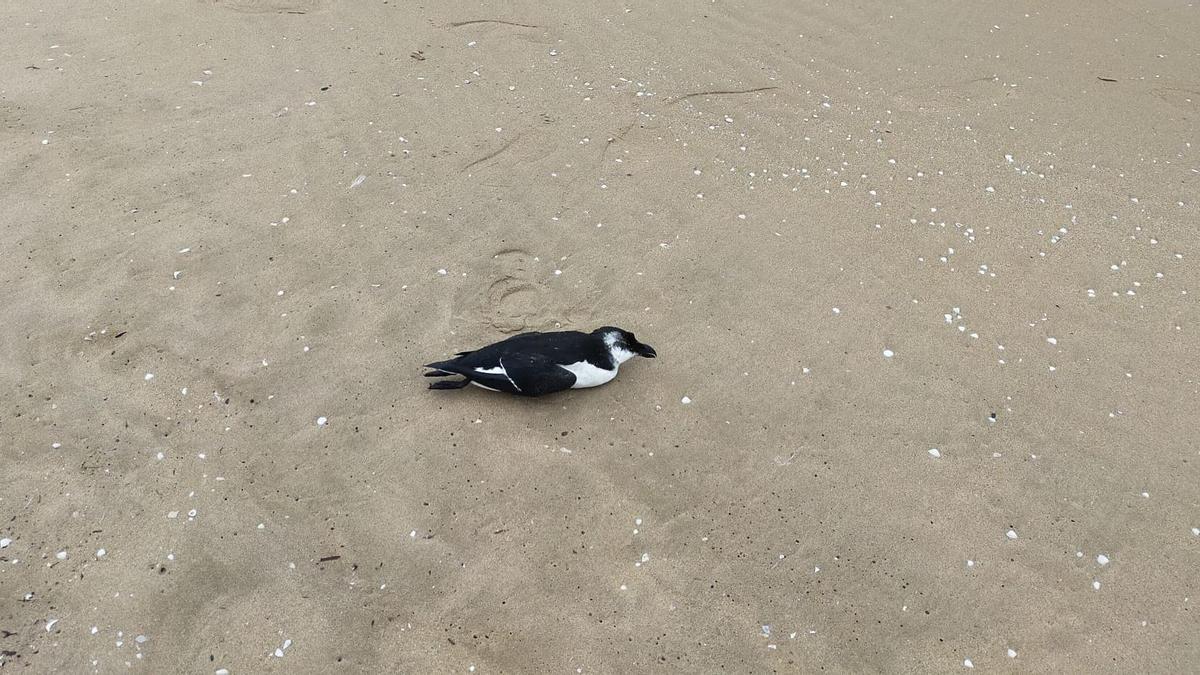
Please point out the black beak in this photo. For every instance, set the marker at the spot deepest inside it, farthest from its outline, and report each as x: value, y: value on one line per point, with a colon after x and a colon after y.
x: 647, y: 351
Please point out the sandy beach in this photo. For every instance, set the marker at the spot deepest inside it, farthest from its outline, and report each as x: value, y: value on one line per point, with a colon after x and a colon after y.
x: 922, y: 279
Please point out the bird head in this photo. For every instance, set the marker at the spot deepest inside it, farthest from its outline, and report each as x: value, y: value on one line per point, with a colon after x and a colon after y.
x: 623, y: 345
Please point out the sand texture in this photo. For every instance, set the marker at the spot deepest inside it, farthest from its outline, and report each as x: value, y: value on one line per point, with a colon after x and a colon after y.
x: 924, y: 271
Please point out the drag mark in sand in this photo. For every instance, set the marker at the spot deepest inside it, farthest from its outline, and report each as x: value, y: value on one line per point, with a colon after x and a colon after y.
x: 617, y: 136
x: 722, y: 92
x: 492, y: 154
x: 469, y: 22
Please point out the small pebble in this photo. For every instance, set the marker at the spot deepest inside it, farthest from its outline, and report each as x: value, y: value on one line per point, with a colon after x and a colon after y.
x: 685, y: 400
x: 887, y: 353
x: 1012, y: 534
x: 935, y: 453
x: 321, y: 421
x: 1012, y: 653
x: 1102, y: 559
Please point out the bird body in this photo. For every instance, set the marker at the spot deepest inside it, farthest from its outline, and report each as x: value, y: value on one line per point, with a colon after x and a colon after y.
x: 534, y: 364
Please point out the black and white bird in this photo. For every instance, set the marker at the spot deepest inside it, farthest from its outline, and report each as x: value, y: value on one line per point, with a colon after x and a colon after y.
x: 533, y: 364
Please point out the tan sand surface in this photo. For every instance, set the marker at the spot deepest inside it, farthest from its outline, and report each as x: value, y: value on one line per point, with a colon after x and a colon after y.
x: 224, y: 219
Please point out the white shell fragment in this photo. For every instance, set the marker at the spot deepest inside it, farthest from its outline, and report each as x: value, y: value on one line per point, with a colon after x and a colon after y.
x: 282, y: 648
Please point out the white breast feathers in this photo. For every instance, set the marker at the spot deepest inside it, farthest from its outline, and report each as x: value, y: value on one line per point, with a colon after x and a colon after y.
x: 587, y: 375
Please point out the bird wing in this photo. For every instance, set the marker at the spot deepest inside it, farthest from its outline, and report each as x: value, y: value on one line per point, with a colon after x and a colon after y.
x: 490, y: 375
x: 529, y: 374
x: 505, y: 340
x: 535, y: 374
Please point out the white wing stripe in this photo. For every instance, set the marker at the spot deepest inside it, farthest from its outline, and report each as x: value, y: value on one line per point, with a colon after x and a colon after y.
x: 510, y: 380
x: 498, y: 370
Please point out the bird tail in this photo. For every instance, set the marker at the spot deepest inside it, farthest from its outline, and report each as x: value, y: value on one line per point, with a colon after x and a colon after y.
x: 441, y: 369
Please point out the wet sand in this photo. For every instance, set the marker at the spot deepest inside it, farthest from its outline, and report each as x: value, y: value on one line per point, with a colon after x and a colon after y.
x: 926, y: 273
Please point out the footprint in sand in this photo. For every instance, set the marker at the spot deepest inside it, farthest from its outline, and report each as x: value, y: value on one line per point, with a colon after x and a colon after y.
x: 510, y: 298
